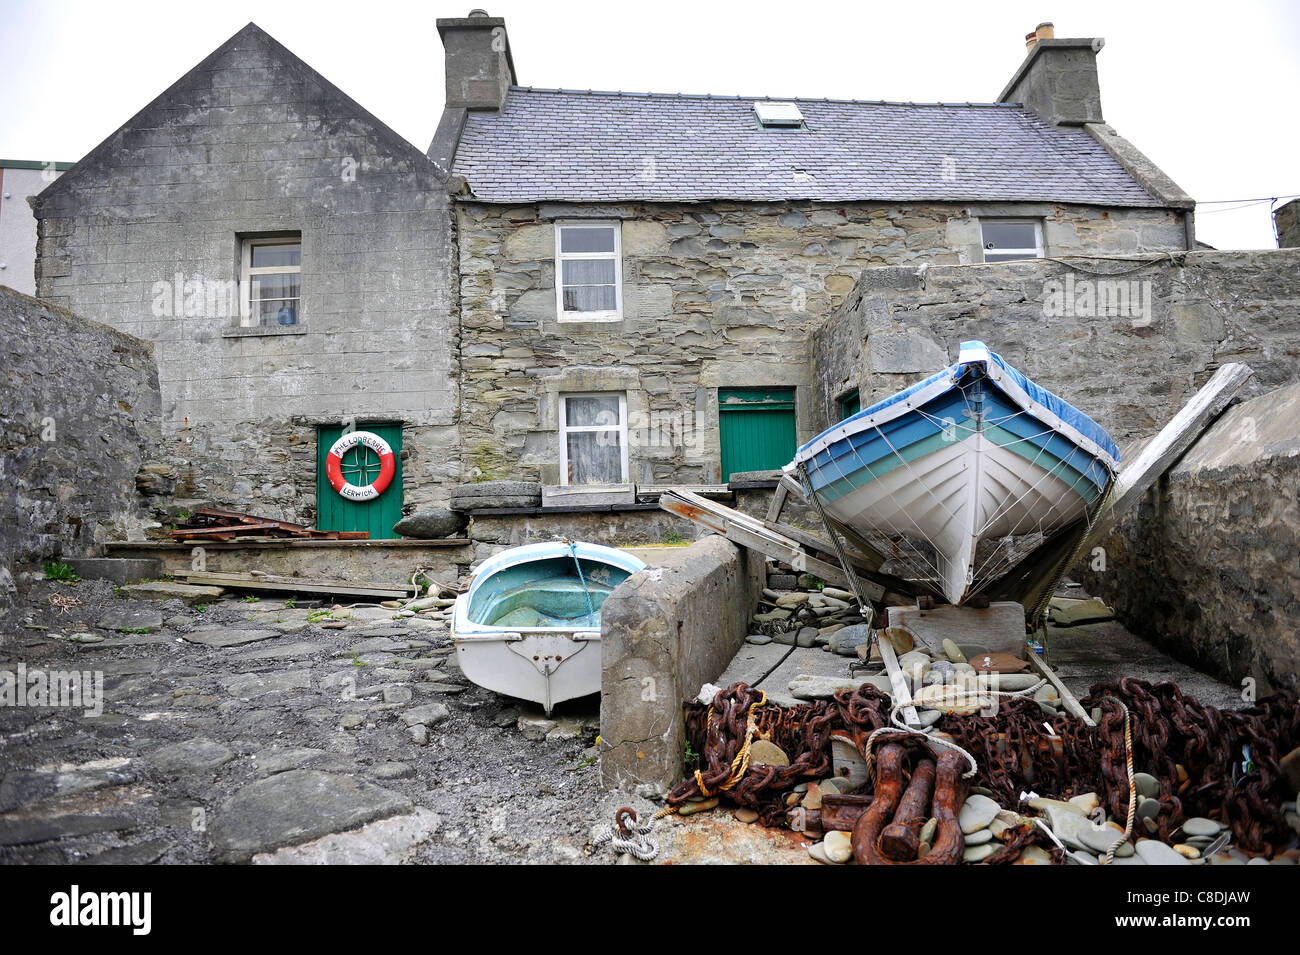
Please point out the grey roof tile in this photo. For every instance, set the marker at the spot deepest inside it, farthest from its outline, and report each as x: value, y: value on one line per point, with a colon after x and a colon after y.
x: 557, y: 145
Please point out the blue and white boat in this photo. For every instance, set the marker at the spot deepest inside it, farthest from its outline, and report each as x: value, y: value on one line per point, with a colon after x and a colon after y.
x: 953, y: 479
x: 529, y: 624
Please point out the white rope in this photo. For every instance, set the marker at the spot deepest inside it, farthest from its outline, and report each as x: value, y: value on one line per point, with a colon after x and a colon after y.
x: 636, y: 843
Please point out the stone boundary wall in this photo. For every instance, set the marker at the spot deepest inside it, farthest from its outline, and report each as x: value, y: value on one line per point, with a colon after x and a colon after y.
x: 665, y: 631
x: 1209, y: 564
x: 79, y: 415
x: 1129, y: 348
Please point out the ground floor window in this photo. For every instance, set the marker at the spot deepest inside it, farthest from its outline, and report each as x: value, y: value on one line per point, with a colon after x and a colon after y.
x: 593, y: 438
x: 756, y: 428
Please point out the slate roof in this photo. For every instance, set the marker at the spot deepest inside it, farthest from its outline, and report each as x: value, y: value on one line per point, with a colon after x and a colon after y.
x: 568, y: 145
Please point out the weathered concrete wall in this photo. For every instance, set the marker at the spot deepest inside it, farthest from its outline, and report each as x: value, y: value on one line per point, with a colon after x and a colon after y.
x: 1210, y: 563
x: 79, y: 414
x: 252, y: 142
x: 666, y: 631
x: 17, y: 226
x: 1129, y: 355
x: 723, y: 295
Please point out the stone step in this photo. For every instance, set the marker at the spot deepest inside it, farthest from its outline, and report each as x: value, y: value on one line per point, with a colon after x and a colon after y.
x: 168, y: 590
x: 120, y: 570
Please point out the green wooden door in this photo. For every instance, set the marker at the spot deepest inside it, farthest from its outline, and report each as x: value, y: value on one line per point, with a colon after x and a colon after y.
x: 756, y: 428
x: 360, y: 466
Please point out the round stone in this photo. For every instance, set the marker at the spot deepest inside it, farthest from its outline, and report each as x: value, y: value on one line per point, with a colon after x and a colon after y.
x: 745, y: 815
x: 758, y: 639
x: 839, y: 848
x: 1200, y: 826
x: 979, y: 853
x: 928, y: 830
x: 979, y: 837
x: 1148, y: 808
x: 1146, y: 785
x: 764, y: 753
x: 976, y: 813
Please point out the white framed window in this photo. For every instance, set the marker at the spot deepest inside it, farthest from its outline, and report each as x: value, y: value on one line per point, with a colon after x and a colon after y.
x: 1007, y: 239
x: 588, y: 271
x: 270, y: 281
x: 593, y: 438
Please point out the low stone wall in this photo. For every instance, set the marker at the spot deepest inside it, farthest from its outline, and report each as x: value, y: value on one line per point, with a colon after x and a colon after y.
x: 665, y: 631
x: 79, y: 414
x: 1129, y: 347
x: 1209, y: 565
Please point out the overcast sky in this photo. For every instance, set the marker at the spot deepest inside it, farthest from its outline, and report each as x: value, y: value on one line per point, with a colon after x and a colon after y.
x: 1207, y: 90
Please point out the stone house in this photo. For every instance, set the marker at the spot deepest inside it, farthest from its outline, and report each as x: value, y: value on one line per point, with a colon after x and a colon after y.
x: 579, y: 288
x: 289, y: 257
x: 639, y: 274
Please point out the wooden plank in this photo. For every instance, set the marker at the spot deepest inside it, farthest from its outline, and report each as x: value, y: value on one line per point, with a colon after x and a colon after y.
x: 1071, y: 702
x: 750, y: 532
x: 778, y: 502
x: 1169, y: 445
x: 902, y: 692
x: 345, y: 588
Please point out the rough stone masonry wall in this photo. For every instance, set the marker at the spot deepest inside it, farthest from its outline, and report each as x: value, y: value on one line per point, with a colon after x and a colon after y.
x: 79, y: 414
x: 721, y: 294
x: 1131, y: 370
x: 1210, y: 562
x: 253, y: 142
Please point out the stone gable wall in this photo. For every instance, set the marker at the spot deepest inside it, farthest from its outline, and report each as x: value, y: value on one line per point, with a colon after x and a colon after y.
x: 251, y: 143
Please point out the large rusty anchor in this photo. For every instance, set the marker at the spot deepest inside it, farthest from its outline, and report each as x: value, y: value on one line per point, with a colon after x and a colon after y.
x: 888, y: 832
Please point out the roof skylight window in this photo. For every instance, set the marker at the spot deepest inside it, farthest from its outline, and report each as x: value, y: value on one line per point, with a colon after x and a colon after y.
x: 774, y: 115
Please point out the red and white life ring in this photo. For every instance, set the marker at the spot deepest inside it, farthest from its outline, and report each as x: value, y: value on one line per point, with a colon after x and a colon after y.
x: 334, y: 466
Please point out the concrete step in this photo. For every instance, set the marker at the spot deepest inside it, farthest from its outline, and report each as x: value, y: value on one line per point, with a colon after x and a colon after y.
x: 120, y: 570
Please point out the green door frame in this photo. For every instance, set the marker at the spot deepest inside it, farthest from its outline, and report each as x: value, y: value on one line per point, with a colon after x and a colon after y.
x: 756, y: 428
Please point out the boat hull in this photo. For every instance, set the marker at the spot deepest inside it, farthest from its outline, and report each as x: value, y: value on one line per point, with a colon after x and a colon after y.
x: 948, y: 475
x: 529, y: 624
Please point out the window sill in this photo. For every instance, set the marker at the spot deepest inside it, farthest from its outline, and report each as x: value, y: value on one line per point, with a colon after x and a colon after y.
x: 589, y: 318
x: 253, y: 331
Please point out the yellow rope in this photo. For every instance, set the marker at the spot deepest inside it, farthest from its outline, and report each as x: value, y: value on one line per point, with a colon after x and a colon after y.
x: 739, y: 765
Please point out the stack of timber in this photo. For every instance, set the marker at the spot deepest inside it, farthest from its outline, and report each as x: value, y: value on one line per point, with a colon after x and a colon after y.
x: 212, y: 523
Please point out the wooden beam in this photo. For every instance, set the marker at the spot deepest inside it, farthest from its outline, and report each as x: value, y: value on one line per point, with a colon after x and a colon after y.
x: 343, y: 588
x: 1170, y: 443
x: 1071, y: 702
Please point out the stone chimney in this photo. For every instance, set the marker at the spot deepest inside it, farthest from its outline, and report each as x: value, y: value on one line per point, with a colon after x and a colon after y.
x: 479, y: 66
x: 1058, y: 78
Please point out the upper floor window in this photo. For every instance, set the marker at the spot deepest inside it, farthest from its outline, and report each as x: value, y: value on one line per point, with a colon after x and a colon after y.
x: 1008, y: 239
x: 588, y: 271
x: 271, y: 281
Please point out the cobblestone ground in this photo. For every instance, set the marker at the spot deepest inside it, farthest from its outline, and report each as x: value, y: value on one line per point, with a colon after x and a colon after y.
x: 243, y: 731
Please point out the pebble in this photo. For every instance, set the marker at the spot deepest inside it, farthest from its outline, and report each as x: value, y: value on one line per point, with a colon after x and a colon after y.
x: 352, y: 721
x: 1086, y: 801
x: 806, y: 637
x: 979, y: 837
x: 419, y: 734
x: 1148, y: 808
x: 1200, y: 826
x: 928, y: 830
x: 1154, y: 852
x: 764, y: 753
x: 758, y: 639
x: 979, y: 853
x: 976, y: 813
x: 953, y: 652
x: 745, y: 815
x: 1190, y: 852
x: 786, y: 638
x: 1146, y: 785
x: 813, y: 798
x: 838, y: 847
x: 1033, y: 855
x: 1101, y: 839
x: 818, y: 851
x: 691, y: 808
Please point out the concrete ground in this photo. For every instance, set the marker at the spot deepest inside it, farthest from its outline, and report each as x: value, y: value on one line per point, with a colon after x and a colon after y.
x: 246, y: 731
x: 233, y: 731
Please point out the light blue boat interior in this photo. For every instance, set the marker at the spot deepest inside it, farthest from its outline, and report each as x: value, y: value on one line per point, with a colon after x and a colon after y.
x: 546, y: 591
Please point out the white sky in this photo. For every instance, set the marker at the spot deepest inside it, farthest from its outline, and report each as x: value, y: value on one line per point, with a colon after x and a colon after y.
x: 1207, y: 90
